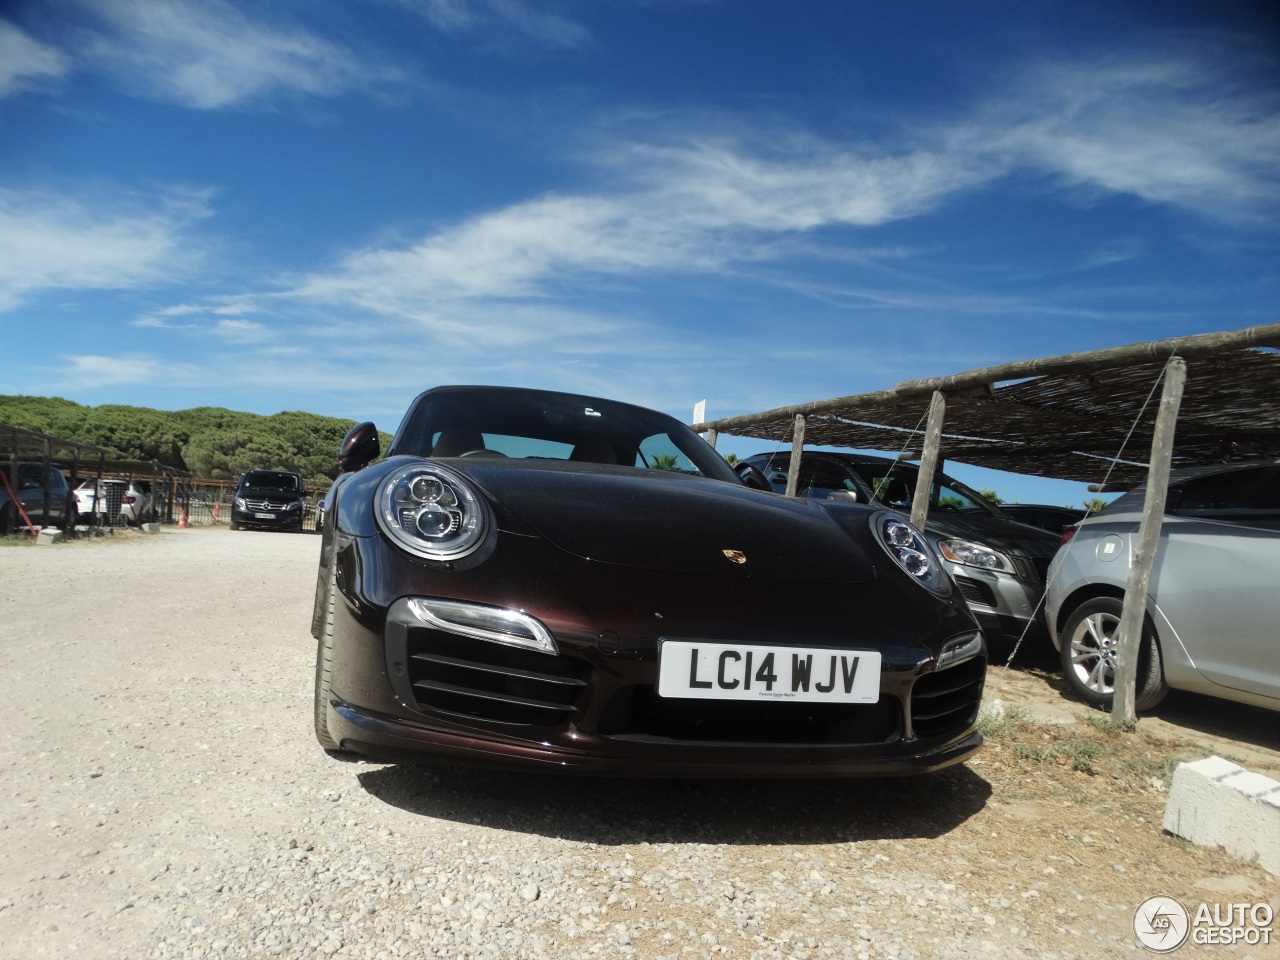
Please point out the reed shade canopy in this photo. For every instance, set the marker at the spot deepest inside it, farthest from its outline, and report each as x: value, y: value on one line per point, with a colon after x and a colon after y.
x: 1067, y: 417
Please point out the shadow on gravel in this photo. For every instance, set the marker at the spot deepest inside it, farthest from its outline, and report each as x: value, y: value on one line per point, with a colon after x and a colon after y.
x: 679, y: 811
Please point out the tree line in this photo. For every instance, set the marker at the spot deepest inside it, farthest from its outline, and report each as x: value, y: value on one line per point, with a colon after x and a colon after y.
x: 210, y: 442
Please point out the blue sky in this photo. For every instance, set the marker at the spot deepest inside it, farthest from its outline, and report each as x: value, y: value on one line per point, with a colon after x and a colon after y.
x: 330, y: 205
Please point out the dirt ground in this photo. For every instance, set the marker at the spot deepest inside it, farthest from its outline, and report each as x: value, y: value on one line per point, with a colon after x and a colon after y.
x: 157, y: 727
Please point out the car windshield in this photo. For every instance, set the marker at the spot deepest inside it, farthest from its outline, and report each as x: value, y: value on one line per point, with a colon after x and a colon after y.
x: 533, y: 425
x: 271, y: 480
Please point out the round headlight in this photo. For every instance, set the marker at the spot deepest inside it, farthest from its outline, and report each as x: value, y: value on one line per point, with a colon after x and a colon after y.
x: 431, y: 511
x: 909, y: 549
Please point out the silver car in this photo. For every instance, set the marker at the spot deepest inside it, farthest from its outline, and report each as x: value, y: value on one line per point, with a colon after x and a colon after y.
x: 1212, y: 610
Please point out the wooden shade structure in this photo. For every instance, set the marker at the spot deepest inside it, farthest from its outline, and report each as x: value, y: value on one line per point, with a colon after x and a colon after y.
x: 1081, y: 416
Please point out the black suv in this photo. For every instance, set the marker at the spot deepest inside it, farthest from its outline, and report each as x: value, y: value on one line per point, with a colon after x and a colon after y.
x: 271, y: 499
x: 998, y: 564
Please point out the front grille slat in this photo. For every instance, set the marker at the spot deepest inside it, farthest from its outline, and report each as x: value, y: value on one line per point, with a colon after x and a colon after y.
x: 431, y: 685
x: 946, y: 702
x: 495, y: 682
x: 502, y: 669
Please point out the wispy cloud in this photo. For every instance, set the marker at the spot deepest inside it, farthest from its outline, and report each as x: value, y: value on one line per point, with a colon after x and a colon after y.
x: 1173, y: 129
x: 490, y: 20
x: 207, y: 54
x: 25, y: 62
x: 50, y: 241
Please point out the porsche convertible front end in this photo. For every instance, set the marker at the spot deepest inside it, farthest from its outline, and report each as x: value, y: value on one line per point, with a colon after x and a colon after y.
x: 638, y: 614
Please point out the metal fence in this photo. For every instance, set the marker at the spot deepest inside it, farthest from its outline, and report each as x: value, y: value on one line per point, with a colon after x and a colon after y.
x: 155, y: 492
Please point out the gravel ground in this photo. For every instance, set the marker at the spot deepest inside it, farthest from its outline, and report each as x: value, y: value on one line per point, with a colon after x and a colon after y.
x: 164, y: 796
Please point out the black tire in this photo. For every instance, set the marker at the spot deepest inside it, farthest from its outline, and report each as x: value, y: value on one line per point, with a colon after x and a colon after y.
x: 1088, y: 655
x: 324, y: 664
x: 233, y: 525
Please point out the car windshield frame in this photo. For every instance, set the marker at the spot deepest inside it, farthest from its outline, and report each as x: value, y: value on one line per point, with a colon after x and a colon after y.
x: 534, y: 425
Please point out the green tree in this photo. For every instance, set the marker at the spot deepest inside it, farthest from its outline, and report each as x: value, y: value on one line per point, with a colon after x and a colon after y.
x: 991, y: 495
x: 732, y: 459
x: 663, y: 461
x: 1095, y: 504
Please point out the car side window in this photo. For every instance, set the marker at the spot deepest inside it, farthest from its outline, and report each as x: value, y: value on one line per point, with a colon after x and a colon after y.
x: 821, y: 480
x: 1246, y: 497
x: 659, y: 452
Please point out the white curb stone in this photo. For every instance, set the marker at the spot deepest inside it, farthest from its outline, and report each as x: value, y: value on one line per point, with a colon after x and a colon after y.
x: 1213, y: 802
x: 50, y: 535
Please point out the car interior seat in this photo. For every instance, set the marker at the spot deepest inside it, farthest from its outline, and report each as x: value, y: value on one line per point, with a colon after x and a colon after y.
x: 457, y: 441
x: 594, y: 450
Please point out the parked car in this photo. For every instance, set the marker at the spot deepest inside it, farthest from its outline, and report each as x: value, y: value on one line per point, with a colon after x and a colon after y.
x: 998, y: 564
x: 568, y: 584
x: 128, y: 500
x: 1211, y: 609
x: 1044, y: 516
x: 268, y: 499
x: 28, y: 483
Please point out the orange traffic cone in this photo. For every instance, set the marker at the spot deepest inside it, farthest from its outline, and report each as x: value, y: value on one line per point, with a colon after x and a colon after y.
x: 217, y: 512
x: 182, y: 519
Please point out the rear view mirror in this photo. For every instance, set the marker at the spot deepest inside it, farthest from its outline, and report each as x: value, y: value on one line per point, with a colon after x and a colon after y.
x: 359, y: 447
x: 752, y: 477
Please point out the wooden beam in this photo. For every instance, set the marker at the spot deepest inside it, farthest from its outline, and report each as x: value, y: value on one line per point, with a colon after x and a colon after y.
x: 797, y: 448
x: 1144, y: 553
x: 929, y: 459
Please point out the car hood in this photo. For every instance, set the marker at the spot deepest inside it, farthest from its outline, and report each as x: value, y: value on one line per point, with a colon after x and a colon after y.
x: 658, y: 520
x: 1003, y: 535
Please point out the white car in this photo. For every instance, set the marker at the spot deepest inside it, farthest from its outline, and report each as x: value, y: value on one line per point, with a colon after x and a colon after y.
x: 128, y: 499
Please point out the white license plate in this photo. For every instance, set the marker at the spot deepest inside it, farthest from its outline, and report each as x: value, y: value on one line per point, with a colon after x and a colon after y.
x: 736, y: 671
x: 265, y: 516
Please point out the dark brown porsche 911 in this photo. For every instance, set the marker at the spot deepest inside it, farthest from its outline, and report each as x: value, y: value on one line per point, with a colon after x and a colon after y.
x: 551, y: 582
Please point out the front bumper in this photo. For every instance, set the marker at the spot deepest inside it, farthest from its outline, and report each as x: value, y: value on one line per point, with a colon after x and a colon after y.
x: 393, y: 739
x: 267, y: 519
x: 1005, y: 606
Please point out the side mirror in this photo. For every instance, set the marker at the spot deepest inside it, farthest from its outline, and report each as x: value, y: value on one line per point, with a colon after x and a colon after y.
x: 359, y: 447
x: 752, y: 477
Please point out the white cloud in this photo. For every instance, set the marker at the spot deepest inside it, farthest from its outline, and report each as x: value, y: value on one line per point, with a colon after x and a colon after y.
x: 25, y: 62
x: 491, y: 18
x: 90, y: 370
x: 49, y: 241
x: 208, y: 54
x: 1173, y: 130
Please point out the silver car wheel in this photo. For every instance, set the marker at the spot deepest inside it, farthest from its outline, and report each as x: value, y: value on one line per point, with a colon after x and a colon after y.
x: 1093, y: 652
x: 1090, y: 646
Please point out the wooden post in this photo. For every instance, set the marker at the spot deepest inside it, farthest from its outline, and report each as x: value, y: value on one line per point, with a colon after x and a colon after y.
x: 710, y: 436
x: 1144, y: 553
x: 797, y: 448
x: 929, y: 459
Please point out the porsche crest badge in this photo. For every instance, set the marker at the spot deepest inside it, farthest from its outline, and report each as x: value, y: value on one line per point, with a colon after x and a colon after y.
x: 736, y: 556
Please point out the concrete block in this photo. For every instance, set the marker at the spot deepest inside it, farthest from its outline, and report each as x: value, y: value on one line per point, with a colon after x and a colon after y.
x: 1214, y: 802
x: 50, y: 535
x: 151, y: 528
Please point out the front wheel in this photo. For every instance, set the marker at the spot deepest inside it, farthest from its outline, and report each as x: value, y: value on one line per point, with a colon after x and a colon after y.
x: 1090, y: 645
x: 6, y: 520
x: 324, y: 662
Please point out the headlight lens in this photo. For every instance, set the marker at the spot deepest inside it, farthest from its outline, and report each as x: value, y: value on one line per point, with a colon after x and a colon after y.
x: 431, y: 511
x: 975, y: 555
x: 241, y: 504
x: 909, y: 549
